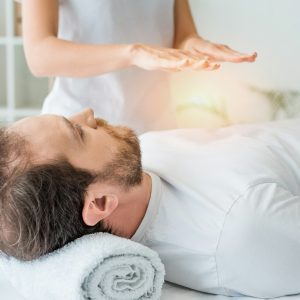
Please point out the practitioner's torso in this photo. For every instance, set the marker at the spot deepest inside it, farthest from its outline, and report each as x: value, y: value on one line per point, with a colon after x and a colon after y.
x: 132, y: 97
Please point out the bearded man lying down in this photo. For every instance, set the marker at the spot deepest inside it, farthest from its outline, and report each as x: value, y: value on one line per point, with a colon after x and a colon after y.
x: 221, y: 207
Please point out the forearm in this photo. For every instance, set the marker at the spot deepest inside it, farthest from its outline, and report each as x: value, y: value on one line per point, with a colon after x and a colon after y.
x: 184, y: 23
x: 47, y: 55
x: 55, y: 57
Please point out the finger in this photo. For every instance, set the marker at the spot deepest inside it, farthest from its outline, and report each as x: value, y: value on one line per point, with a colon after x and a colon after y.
x: 232, y: 57
x: 176, y: 59
x: 213, y: 67
x: 182, y: 55
x: 168, y: 55
x: 171, y: 70
x: 174, y: 64
x: 192, y: 61
x: 210, y: 58
x: 235, y: 56
x: 230, y: 50
x: 184, y: 59
x: 215, y: 53
x: 252, y: 57
x: 223, y: 53
x: 239, y: 59
x: 197, y: 67
x: 196, y: 55
x: 191, y: 56
x: 210, y: 67
x: 175, y: 56
x: 203, y: 64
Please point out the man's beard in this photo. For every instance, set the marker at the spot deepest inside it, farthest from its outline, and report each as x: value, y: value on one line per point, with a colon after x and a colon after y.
x: 125, y: 169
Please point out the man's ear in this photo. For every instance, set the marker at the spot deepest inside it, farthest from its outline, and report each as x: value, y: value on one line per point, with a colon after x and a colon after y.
x: 98, y: 204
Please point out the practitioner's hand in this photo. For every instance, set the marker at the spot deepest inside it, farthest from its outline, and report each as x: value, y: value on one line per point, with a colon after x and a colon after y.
x: 170, y: 60
x: 215, y: 52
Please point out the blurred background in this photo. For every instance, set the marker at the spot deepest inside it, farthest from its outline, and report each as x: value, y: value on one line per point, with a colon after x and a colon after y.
x: 20, y: 93
x: 237, y: 93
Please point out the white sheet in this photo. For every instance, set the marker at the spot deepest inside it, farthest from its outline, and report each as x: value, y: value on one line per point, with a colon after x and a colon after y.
x: 175, y: 292
x: 170, y: 292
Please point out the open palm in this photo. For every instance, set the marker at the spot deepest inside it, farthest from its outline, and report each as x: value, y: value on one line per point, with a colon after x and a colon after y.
x: 215, y: 52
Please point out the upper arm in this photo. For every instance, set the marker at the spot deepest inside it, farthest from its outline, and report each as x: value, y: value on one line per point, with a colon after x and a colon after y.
x: 40, y: 21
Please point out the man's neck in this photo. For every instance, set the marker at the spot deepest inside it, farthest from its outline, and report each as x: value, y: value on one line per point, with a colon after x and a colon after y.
x: 131, y: 211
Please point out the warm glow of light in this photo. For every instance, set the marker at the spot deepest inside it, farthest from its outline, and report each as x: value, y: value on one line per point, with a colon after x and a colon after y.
x: 215, y: 100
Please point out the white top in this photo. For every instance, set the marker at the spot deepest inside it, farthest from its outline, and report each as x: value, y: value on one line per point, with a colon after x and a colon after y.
x: 224, y: 213
x: 133, y: 97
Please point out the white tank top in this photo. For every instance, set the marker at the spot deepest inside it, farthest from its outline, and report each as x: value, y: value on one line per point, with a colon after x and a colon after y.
x: 133, y: 97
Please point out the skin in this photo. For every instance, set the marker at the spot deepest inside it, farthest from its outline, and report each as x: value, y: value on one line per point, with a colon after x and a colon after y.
x: 88, y: 146
x: 187, y: 38
x: 49, y: 56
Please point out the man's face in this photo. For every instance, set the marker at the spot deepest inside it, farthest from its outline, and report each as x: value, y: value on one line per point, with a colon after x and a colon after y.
x: 86, y: 142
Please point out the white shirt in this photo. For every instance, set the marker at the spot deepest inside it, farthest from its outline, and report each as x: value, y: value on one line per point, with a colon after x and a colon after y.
x: 224, y: 213
x: 134, y: 97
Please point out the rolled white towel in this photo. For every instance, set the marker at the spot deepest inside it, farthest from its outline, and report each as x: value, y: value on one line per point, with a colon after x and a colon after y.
x: 93, y: 267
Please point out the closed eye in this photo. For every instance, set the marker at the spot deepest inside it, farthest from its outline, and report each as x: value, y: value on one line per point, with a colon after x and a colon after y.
x: 80, y: 130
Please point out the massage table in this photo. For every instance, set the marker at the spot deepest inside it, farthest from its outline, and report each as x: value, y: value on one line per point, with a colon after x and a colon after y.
x: 169, y: 292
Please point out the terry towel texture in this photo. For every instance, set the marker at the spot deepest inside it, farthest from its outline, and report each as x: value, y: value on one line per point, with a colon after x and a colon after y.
x: 94, y: 267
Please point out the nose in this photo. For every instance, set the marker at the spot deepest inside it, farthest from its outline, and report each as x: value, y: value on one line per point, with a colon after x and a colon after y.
x: 86, y: 117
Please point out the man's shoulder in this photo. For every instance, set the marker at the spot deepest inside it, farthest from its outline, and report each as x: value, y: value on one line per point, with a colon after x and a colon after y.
x: 196, y: 134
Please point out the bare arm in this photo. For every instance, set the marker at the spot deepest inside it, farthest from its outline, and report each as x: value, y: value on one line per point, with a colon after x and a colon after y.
x: 47, y: 55
x: 186, y: 38
x: 184, y: 23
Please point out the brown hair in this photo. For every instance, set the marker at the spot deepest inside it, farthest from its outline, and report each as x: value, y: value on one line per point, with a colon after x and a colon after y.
x: 40, y: 206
